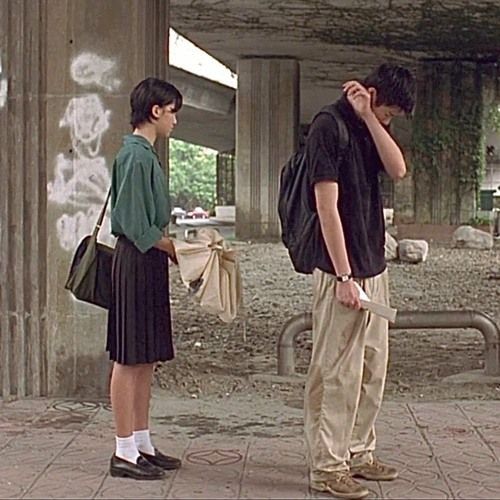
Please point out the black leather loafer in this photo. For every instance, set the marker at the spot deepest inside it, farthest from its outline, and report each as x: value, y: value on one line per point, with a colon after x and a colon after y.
x: 163, y: 461
x: 142, y: 470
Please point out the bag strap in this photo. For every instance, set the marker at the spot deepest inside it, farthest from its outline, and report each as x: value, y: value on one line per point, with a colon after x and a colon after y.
x: 332, y: 110
x: 101, y: 216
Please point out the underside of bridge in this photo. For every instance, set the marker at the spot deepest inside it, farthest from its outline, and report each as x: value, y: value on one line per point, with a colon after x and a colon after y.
x: 335, y: 40
x: 453, y: 46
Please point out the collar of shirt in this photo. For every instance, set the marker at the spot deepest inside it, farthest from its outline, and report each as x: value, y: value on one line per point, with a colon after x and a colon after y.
x: 140, y: 141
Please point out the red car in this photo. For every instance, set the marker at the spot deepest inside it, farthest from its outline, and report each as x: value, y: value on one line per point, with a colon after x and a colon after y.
x: 198, y: 213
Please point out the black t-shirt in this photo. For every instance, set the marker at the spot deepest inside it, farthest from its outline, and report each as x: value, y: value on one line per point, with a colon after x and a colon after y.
x: 356, y: 171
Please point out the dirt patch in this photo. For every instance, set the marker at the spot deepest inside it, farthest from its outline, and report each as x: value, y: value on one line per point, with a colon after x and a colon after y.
x: 219, y: 360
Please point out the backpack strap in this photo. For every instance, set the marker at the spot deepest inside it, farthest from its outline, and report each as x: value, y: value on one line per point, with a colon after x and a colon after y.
x: 332, y: 110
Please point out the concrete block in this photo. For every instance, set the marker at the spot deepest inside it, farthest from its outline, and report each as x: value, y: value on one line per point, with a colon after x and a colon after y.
x: 413, y: 251
x: 391, y: 247
x: 469, y: 237
x: 389, y: 216
x: 225, y: 213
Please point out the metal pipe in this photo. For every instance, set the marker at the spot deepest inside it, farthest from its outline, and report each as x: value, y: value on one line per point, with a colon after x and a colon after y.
x: 404, y: 320
x: 286, y: 342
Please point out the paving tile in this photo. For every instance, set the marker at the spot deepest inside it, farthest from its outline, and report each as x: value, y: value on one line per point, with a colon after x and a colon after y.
x: 15, y: 421
x: 33, y: 449
x: 12, y: 482
x: 482, y: 414
x: 484, y: 418
x: 477, y: 491
x: 461, y: 454
x: 276, y: 468
x: 408, y: 489
x: 11, y: 428
x: 34, y: 406
x: 67, y: 481
x: 277, y: 452
x: 199, y: 482
x: 212, y: 468
x: 261, y: 485
x: 27, y: 456
x: 420, y: 476
x: 129, y: 488
x: 442, y: 450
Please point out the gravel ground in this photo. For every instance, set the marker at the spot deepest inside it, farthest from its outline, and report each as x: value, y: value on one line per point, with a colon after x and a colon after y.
x: 216, y: 360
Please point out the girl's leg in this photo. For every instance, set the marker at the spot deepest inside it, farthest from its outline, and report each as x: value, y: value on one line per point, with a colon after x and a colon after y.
x: 142, y: 400
x: 142, y: 396
x: 141, y: 421
x: 127, y: 462
x: 122, y: 389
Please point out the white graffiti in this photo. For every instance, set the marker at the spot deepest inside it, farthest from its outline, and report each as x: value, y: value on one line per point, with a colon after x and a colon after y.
x: 82, y: 180
x: 4, y: 86
x: 87, y: 120
x: 73, y: 228
x: 90, y: 69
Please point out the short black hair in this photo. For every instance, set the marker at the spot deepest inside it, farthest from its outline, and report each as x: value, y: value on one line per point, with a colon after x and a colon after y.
x: 148, y: 93
x: 395, y: 85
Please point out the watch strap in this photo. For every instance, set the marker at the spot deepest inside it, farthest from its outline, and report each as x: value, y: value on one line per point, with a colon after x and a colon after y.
x: 342, y: 278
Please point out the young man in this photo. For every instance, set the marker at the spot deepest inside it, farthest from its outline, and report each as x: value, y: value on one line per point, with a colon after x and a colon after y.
x: 346, y: 376
x: 139, y: 324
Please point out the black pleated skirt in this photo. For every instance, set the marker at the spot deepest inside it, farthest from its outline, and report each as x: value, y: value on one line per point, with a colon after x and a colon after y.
x: 139, y: 322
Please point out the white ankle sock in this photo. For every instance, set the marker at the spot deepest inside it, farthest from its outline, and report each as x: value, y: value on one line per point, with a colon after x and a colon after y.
x: 127, y: 449
x: 143, y: 441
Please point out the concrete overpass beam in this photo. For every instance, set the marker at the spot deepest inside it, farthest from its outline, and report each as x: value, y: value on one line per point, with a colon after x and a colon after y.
x: 200, y: 93
x: 267, y: 121
x: 207, y: 117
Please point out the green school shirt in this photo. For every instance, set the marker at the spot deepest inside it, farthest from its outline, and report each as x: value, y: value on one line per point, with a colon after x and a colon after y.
x: 140, y: 205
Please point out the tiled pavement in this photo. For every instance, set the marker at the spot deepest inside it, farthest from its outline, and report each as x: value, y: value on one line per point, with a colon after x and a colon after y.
x: 234, y: 449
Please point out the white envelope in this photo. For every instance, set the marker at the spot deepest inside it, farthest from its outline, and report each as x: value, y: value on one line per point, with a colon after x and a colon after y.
x: 380, y: 309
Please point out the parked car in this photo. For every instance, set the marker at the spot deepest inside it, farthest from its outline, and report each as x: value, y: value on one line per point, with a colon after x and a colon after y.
x: 177, y: 213
x: 198, y: 213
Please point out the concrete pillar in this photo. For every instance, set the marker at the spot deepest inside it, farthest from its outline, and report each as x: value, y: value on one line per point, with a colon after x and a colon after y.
x: 267, y: 110
x: 225, y: 178
x: 448, y: 140
x: 23, y: 245
x: 69, y: 66
x: 404, y: 210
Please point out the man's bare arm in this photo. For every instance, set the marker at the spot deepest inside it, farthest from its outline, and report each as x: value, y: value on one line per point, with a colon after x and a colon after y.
x: 389, y: 152
x: 326, y: 194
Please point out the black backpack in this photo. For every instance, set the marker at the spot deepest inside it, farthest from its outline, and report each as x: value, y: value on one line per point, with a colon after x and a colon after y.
x: 300, y: 227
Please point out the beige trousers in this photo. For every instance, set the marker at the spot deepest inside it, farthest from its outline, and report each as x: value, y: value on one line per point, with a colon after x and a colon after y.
x: 346, y: 377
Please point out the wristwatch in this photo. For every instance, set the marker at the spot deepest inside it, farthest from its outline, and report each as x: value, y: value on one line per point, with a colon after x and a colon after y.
x: 342, y: 278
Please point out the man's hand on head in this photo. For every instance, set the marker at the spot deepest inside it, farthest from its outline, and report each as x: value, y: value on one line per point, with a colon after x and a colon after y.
x: 359, y: 98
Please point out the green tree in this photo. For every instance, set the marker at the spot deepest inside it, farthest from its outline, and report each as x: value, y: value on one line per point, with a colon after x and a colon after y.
x: 192, y: 175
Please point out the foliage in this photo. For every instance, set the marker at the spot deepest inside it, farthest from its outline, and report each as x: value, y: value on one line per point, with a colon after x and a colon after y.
x: 479, y: 220
x: 456, y: 137
x: 493, y: 119
x: 448, y: 138
x: 192, y: 175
